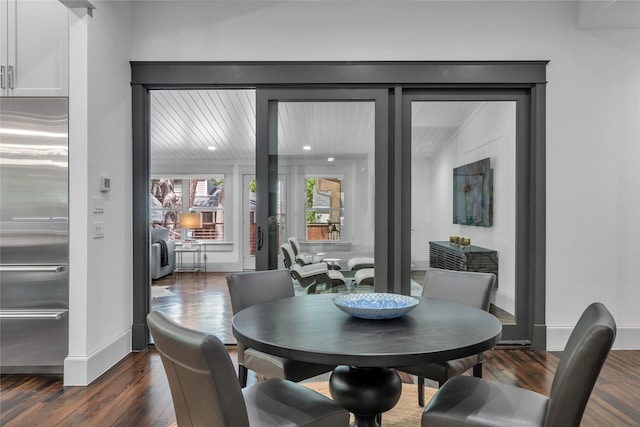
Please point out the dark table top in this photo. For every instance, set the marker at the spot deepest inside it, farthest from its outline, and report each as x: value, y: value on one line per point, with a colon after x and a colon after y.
x: 311, y: 328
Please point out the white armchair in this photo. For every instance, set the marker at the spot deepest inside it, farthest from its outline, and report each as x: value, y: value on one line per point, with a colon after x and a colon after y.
x: 303, y: 258
x: 312, y: 275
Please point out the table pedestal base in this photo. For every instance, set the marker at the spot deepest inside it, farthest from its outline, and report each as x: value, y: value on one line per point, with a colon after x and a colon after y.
x: 365, y: 392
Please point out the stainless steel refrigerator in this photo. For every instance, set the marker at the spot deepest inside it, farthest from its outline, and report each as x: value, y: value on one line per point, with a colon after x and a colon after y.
x: 34, y: 235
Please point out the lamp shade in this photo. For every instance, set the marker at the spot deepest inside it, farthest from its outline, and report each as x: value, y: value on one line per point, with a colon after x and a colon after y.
x: 191, y: 220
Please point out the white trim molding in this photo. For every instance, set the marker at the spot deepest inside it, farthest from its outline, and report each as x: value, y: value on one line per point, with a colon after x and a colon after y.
x: 83, y: 369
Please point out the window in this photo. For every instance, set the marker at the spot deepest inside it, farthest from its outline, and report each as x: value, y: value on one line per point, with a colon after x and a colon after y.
x: 324, y: 211
x: 171, y: 196
x: 166, y: 204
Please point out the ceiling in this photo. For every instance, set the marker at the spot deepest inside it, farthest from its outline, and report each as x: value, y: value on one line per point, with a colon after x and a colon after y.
x: 186, y: 123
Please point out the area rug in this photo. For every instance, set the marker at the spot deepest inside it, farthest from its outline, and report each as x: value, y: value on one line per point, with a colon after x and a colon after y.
x: 161, y: 291
x: 405, y: 413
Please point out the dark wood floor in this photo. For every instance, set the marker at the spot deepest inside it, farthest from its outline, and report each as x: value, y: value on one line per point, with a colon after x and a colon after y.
x: 135, y: 391
x: 196, y: 300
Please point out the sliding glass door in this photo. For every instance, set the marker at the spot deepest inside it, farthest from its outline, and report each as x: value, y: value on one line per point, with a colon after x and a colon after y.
x: 468, y: 160
x: 320, y: 175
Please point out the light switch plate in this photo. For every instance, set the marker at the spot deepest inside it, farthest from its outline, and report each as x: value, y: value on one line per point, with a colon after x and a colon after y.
x: 98, y: 204
x: 98, y: 232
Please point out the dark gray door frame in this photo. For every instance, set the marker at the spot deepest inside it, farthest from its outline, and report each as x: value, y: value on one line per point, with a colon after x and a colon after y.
x: 529, y: 76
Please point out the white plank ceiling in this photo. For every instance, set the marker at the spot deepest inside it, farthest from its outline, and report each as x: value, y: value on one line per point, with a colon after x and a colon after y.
x: 186, y: 123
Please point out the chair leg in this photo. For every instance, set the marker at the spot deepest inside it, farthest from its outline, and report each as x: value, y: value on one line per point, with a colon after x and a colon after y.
x: 420, y: 391
x: 477, y: 370
x: 242, y: 375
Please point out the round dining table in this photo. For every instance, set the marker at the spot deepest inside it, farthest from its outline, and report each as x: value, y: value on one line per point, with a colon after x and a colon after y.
x: 312, y: 328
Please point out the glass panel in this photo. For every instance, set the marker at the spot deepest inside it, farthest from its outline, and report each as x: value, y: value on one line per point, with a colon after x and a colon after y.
x: 326, y: 181
x: 463, y: 158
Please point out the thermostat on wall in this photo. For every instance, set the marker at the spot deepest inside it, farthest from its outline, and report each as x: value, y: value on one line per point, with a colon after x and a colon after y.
x: 105, y: 184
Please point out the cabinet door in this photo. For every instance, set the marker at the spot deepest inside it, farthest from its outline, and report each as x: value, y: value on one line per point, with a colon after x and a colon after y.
x: 38, y: 47
x: 3, y: 46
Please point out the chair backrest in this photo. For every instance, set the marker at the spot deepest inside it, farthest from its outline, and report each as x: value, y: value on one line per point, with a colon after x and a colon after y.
x: 254, y: 287
x: 295, y: 245
x: 580, y: 364
x: 202, y: 379
x: 470, y: 288
x: 288, y: 257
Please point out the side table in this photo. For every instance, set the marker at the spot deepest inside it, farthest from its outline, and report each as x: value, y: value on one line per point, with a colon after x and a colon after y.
x: 193, y: 248
x: 451, y: 256
x: 332, y: 263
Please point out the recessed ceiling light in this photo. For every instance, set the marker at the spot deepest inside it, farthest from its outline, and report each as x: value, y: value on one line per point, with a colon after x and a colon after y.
x: 330, y: 159
x: 212, y: 148
x: 306, y: 147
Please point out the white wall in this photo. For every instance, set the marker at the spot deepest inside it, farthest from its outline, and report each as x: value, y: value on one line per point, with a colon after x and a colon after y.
x: 101, y: 270
x: 593, y: 105
x: 422, y: 210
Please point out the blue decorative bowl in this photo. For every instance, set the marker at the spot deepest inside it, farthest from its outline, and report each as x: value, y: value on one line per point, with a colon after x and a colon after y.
x: 376, y: 305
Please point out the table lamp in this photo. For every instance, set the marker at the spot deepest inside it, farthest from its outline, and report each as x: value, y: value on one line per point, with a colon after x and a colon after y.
x: 189, y: 220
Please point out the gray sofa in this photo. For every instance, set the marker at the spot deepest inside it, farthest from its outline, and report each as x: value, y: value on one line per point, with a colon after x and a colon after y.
x: 156, y: 269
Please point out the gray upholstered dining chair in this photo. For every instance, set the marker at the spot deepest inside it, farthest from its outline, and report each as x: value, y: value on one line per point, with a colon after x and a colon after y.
x: 254, y: 287
x: 470, y: 401
x: 470, y: 288
x: 205, y: 392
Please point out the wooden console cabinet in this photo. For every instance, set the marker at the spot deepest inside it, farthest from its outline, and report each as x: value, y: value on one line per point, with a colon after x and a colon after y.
x: 451, y: 256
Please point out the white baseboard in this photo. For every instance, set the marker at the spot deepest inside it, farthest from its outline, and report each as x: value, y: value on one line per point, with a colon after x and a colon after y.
x: 224, y: 267
x: 82, y: 370
x: 627, y: 338
x: 419, y: 265
x: 505, y: 302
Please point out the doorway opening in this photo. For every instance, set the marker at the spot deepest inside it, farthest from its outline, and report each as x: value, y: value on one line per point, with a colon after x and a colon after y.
x: 201, y: 151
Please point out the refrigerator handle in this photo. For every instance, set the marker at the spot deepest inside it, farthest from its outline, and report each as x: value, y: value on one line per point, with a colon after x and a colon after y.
x: 32, y: 268
x: 33, y: 314
x: 2, y: 84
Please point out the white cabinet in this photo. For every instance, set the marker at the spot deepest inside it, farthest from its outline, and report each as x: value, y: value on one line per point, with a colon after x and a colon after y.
x: 34, y: 39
